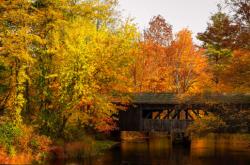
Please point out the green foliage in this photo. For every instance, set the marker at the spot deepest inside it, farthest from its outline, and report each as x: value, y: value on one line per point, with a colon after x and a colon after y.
x: 226, y: 35
x: 34, y: 144
x: 217, y: 41
x: 220, y: 31
x: 217, y: 53
x: 9, y: 132
x: 21, y: 138
x: 49, y: 123
x: 11, y: 151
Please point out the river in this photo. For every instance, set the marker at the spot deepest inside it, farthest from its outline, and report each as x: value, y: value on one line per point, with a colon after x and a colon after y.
x: 210, y: 150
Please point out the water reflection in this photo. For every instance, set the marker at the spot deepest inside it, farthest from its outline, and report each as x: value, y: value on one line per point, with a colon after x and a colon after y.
x: 215, y: 149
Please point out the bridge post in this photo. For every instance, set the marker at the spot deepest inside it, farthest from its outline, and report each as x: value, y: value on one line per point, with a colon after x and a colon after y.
x: 178, y: 133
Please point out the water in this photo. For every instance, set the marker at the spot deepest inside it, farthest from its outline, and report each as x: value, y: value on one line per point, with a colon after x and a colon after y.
x: 211, y: 150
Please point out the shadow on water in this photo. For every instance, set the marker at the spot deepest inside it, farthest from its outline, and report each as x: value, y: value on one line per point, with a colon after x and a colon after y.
x: 212, y: 150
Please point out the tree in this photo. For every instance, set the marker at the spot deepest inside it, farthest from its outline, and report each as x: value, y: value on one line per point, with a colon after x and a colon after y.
x: 188, y: 67
x: 217, y: 40
x: 179, y: 68
x: 63, y: 61
x: 159, y: 32
x: 240, y: 16
x: 220, y: 32
x: 226, y: 34
x: 4, y: 86
x: 231, y: 29
x: 94, y: 68
x: 236, y: 76
x: 148, y: 71
x: 167, y: 64
x: 240, y: 10
x: 16, y: 38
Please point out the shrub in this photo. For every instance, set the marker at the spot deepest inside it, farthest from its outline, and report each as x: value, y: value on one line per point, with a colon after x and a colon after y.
x: 9, y: 132
x: 23, y: 139
x: 30, y: 141
x: 207, y: 124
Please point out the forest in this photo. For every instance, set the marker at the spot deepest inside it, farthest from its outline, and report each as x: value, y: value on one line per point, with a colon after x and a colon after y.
x: 64, y: 62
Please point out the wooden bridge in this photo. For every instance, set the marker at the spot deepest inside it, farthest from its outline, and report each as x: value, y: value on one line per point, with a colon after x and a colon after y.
x: 166, y: 112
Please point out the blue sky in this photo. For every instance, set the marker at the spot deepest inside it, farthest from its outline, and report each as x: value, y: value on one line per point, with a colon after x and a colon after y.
x: 191, y: 14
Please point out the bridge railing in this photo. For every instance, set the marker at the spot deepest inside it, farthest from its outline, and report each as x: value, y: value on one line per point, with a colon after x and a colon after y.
x: 164, y: 125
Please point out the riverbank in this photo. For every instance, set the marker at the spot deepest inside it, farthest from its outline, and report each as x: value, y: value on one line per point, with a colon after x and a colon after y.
x: 80, y: 149
x: 68, y: 150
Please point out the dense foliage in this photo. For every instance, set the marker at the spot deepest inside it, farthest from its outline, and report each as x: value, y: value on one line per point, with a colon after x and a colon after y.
x: 63, y: 62
x: 226, y: 41
x: 169, y: 64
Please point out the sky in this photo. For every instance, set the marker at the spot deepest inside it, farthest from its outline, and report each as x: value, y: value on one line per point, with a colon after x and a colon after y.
x: 191, y: 14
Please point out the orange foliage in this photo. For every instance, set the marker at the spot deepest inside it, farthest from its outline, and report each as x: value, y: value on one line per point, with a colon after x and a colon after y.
x: 105, y: 124
x: 148, y: 70
x: 180, y: 67
x: 236, y: 77
x: 188, y: 65
x: 24, y: 158
x: 159, y: 32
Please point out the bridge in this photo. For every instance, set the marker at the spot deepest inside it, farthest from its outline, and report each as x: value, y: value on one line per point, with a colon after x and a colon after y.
x: 167, y: 112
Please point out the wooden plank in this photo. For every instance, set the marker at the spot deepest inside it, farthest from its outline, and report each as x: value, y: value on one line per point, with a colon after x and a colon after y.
x: 165, y: 125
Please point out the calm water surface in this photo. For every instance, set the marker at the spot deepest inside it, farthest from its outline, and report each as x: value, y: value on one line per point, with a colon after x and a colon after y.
x: 211, y: 150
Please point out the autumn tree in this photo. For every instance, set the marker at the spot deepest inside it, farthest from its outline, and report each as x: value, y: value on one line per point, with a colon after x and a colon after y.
x: 62, y: 63
x: 94, y: 69
x: 159, y: 32
x: 226, y: 41
x: 93, y: 50
x: 219, y: 26
x: 16, y: 37
x: 230, y: 29
x: 240, y: 16
x: 227, y: 34
x: 216, y: 44
x: 236, y: 76
x: 149, y: 67
x: 167, y: 64
x: 188, y: 67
